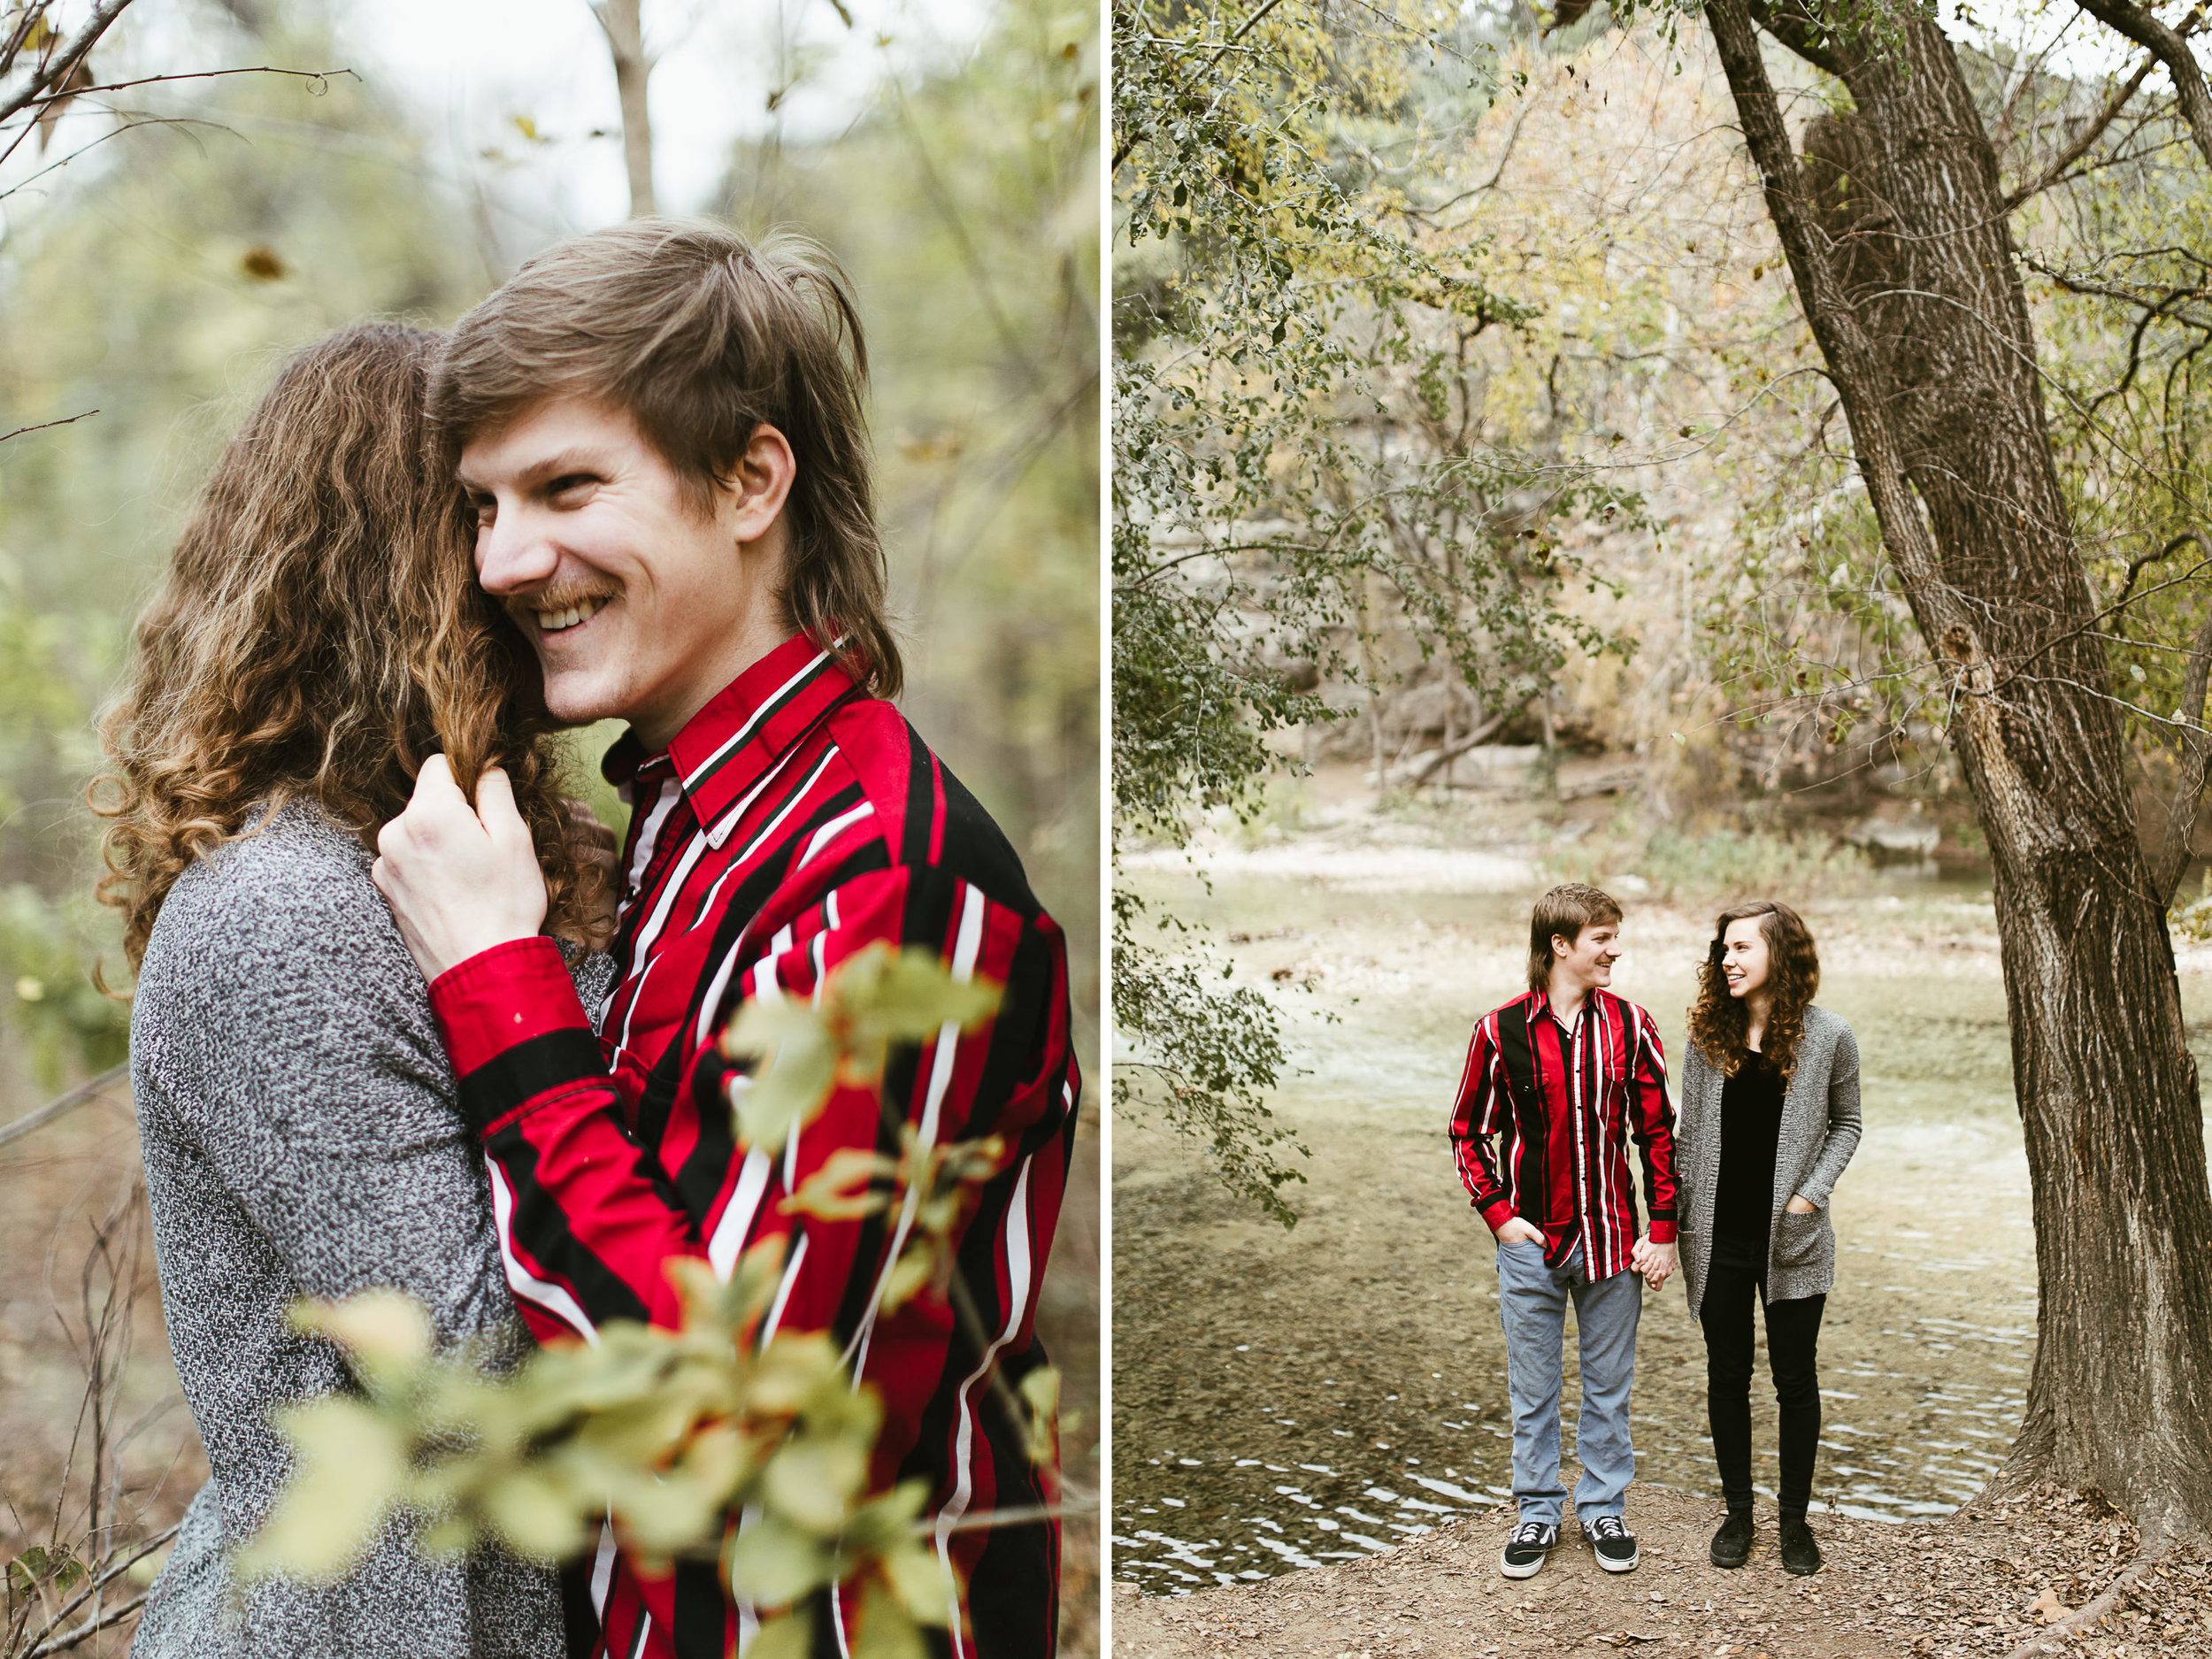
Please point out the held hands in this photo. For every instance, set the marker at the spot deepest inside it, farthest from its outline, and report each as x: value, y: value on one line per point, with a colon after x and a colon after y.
x: 459, y: 880
x: 1656, y: 1261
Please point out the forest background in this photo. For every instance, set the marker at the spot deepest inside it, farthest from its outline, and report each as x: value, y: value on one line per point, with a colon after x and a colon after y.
x: 199, y: 228
x: 1476, y: 396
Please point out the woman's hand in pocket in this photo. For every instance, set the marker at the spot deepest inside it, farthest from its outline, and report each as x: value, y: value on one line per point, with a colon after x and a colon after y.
x: 1800, y: 1205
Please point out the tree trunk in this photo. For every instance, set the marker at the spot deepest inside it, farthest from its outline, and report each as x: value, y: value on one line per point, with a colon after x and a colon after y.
x: 625, y: 30
x: 1895, y: 233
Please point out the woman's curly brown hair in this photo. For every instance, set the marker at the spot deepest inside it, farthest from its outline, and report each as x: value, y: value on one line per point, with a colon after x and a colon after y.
x: 1718, y: 1022
x: 319, y: 632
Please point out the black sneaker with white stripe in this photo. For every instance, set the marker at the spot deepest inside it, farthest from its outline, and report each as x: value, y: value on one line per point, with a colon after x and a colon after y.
x: 1525, y: 1550
x: 1611, y: 1538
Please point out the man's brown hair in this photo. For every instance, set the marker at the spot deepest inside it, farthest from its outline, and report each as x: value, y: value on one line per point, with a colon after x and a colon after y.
x: 703, y: 338
x: 1565, y: 911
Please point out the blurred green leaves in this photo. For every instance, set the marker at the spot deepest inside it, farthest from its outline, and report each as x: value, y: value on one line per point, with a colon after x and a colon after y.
x: 670, y: 1434
x: 878, y: 997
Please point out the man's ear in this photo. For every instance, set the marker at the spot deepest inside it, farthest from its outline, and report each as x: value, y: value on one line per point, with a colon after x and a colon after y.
x: 759, y: 484
x: 1562, y: 946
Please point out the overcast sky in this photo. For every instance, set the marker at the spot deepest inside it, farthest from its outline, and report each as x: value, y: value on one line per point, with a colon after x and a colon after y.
x: 474, y: 67
x: 478, y: 64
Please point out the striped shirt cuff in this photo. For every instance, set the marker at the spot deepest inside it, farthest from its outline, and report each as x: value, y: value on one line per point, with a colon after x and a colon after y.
x: 504, y: 997
x: 1662, y: 1230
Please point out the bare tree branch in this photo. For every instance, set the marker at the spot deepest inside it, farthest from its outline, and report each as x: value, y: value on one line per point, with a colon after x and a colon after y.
x: 59, y: 73
x: 87, y: 1090
x: 2090, y: 135
x: 43, y: 425
x: 2165, y: 44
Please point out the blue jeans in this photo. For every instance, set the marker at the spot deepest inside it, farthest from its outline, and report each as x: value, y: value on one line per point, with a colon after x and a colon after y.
x: 1532, y: 1304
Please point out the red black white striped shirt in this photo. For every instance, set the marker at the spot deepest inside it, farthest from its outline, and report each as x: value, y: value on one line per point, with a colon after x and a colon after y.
x: 793, y: 821
x: 1564, y: 1166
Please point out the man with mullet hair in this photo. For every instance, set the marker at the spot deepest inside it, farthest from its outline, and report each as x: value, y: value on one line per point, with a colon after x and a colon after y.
x: 1560, y: 1078
x: 660, y: 427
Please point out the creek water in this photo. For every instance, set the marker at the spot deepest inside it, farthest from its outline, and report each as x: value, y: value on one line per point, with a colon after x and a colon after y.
x: 1286, y: 1398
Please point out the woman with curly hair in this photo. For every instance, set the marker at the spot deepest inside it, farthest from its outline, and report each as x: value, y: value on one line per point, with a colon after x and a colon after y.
x: 1769, y: 1118
x: 319, y: 634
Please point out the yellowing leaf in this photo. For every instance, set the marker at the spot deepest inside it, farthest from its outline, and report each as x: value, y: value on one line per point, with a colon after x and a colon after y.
x: 384, y: 1331
x: 840, y: 1189
x: 811, y: 1481
x: 915, y: 1270
x: 1041, y: 1389
x: 776, y: 1564
x: 351, y: 1465
x: 534, y: 1514
x: 924, y: 1587
x: 886, y: 1630
x: 790, y: 1637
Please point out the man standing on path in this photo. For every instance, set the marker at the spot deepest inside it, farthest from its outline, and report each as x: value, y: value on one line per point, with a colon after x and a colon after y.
x: 660, y: 428
x: 1559, y: 1081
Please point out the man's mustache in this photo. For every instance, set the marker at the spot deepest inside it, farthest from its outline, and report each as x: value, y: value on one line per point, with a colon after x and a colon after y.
x: 560, y: 596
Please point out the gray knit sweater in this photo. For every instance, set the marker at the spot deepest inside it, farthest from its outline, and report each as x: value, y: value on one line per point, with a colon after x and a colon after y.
x: 301, y: 1138
x: 1820, y: 1131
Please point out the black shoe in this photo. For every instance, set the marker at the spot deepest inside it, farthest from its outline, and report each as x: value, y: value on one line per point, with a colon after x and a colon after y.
x: 1731, y: 1545
x: 1609, y: 1537
x: 1525, y: 1550
x: 1801, y: 1550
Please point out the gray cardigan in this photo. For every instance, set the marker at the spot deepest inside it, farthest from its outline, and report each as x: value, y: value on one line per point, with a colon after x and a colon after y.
x: 1820, y: 1131
x: 301, y: 1139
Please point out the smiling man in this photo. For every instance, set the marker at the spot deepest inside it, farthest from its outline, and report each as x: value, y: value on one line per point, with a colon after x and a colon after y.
x: 660, y: 429
x: 1556, y: 1084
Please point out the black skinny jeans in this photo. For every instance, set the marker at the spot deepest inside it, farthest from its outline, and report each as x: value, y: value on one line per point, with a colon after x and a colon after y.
x: 1735, y: 1279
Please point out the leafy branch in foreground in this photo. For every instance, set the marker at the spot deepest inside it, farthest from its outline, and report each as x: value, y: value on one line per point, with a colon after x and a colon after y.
x: 669, y: 1433
x: 1210, y: 1057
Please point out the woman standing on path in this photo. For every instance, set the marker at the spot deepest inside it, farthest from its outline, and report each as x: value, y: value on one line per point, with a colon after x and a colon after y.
x: 1769, y: 1118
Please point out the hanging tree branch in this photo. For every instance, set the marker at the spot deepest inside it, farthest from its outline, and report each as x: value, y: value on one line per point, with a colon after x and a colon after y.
x: 2090, y: 135
x: 2166, y: 45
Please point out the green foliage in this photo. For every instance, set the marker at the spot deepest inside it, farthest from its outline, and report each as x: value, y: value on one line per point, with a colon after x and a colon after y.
x: 879, y: 997
x: 48, y: 947
x: 1304, y: 455
x: 665, y: 1433
x: 1210, y: 1057
x: 48, y: 950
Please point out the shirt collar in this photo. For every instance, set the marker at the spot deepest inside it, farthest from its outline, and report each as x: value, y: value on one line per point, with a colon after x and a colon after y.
x: 726, y: 749
x: 1540, y: 1003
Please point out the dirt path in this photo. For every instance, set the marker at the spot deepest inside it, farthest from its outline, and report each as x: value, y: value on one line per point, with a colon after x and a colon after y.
x: 1981, y: 1583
